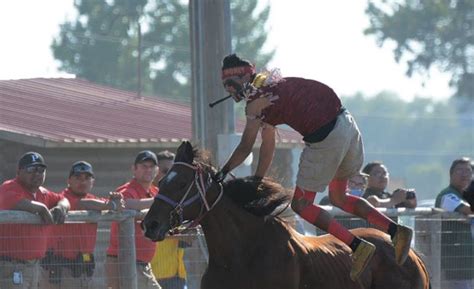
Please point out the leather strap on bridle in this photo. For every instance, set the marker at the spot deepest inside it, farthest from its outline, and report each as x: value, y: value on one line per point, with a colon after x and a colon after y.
x: 178, y: 207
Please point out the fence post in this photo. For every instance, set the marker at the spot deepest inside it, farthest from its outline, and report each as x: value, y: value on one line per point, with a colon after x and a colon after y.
x: 127, y: 254
x: 428, y: 243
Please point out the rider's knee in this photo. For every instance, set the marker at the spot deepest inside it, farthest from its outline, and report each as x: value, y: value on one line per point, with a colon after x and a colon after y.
x: 299, y: 204
x: 295, y: 205
x: 337, y: 200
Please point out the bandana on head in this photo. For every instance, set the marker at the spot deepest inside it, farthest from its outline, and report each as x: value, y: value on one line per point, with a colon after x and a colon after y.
x: 238, y: 71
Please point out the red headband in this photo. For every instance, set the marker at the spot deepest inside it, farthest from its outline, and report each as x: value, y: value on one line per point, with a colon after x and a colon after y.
x: 237, y: 71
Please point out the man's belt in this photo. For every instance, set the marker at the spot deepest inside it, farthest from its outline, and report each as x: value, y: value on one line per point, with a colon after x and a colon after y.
x: 87, y: 257
x: 321, y: 133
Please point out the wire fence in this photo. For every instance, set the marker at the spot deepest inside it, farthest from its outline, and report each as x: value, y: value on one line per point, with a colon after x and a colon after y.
x: 77, y: 255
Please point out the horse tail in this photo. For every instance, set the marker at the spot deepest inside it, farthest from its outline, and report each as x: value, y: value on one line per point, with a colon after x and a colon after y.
x: 423, y: 268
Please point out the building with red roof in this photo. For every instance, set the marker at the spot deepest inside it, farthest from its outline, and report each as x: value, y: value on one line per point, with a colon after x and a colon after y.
x: 70, y: 119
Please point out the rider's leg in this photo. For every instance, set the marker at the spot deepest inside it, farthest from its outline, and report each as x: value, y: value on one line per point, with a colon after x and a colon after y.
x: 358, y: 206
x: 401, y: 235
x: 302, y: 204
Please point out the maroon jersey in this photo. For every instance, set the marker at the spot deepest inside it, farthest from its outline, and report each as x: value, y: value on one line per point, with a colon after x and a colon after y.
x: 303, y: 104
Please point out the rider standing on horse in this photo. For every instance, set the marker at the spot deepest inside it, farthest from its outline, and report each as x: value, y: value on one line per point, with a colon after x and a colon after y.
x: 332, y: 154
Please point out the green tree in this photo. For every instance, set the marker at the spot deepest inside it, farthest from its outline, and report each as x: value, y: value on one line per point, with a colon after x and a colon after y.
x: 102, y: 43
x: 428, y: 33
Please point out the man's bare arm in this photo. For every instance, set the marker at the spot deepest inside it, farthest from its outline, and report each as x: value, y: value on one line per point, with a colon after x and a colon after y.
x: 245, y: 146
x: 138, y: 204
x: 267, y: 150
x: 35, y: 207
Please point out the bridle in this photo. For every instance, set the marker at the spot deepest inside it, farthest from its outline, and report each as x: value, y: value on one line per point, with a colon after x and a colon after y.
x: 202, y: 186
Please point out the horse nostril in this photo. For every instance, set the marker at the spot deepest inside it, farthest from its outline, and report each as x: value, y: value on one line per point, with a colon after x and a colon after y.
x: 153, y: 225
x: 149, y: 226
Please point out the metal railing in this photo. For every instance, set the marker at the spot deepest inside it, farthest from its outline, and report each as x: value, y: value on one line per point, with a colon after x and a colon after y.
x: 430, y: 226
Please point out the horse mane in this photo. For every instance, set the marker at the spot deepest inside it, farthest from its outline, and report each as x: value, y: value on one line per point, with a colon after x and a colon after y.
x: 257, y: 196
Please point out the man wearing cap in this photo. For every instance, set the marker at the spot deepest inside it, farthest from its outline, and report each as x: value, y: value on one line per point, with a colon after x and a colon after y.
x: 138, y: 194
x: 70, y: 261
x: 23, y: 245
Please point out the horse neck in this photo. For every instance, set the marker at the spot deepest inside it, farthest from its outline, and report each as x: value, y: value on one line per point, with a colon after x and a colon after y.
x: 229, y: 230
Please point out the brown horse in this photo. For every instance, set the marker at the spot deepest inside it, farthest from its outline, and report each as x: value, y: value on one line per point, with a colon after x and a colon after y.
x: 252, y: 249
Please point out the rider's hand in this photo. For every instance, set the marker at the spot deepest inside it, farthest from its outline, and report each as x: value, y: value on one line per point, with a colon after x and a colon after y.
x: 258, y: 179
x: 220, y: 176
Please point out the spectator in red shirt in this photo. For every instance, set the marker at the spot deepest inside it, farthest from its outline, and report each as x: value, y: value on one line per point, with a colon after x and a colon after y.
x: 333, y: 150
x: 138, y: 194
x: 23, y: 245
x: 70, y: 261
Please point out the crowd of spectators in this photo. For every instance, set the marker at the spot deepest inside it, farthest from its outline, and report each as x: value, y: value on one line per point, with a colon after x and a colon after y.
x: 55, y: 255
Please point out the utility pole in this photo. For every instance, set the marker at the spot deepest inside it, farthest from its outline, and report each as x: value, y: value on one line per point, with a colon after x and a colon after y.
x: 210, y: 42
x: 139, y: 59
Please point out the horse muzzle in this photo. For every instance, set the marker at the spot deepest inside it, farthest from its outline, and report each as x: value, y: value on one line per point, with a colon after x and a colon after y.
x: 154, y: 230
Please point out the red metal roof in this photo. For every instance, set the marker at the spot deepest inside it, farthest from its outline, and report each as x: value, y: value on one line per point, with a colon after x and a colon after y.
x: 67, y: 110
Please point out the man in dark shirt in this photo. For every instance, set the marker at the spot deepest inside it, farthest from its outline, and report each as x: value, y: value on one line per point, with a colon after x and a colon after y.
x: 469, y: 192
x: 376, y: 192
x: 457, y: 244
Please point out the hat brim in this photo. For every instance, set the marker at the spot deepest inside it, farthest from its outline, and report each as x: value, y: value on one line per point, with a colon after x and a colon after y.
x: 147, y: 159
x: 82, y: 172
x: 34, y: 165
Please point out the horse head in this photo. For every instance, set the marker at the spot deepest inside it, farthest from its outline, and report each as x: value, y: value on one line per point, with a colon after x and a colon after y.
x: 186, y: 193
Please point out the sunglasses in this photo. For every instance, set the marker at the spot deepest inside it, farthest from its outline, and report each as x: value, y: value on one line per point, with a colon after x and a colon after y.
x: 35, y: 169
x: 359, y: 184
x: 380, y: 175
x: 81, y: 169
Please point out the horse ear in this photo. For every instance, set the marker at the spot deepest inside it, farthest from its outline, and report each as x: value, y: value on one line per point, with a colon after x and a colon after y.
x: 185, y: 153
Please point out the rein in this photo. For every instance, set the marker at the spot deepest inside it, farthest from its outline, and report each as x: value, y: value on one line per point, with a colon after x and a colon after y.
x: 176, y: 215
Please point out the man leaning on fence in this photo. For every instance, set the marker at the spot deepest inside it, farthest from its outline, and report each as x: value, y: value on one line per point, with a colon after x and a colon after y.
x: 138, y: 194
x: 69, y: 262
x: 23, y: 245
x: 376, y: 192
x: 457, y: 244
x: 468, y: 194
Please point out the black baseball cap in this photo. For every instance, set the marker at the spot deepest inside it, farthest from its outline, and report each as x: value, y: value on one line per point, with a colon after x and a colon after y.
x: 146, y: 156
x: 80, y: 167
x: 30, y: 159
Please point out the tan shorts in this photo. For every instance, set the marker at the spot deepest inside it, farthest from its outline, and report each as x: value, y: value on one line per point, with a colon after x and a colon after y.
x: 339, y: 156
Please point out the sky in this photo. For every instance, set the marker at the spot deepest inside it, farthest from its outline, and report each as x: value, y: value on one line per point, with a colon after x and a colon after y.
x: 316, y: 39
